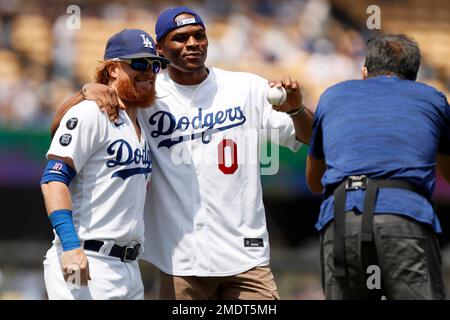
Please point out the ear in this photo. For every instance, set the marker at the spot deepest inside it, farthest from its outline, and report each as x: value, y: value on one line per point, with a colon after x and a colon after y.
x: 160, y: 49
x: 364, y: 73
x: 112, y: 70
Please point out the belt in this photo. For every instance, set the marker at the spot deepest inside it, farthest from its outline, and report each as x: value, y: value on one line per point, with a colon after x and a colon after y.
x: 371, y: 186
x: 126, y: 253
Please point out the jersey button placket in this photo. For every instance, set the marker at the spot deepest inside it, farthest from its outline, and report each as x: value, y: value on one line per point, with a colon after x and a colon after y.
x: 200, y: 226
x: 196, y: 198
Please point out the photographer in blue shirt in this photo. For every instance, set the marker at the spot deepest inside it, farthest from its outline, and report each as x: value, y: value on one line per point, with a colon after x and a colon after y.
x: 373, y: 156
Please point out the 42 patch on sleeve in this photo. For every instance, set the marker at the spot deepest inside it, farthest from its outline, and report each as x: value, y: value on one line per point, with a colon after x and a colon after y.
x: 65, y: 139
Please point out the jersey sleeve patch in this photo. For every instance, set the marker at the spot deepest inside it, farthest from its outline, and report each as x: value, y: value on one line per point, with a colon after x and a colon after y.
x: 65, y: 139
x: 72, y: 123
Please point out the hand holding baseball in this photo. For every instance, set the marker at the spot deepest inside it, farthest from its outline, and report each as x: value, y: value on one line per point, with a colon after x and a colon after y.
x: 285, y: 95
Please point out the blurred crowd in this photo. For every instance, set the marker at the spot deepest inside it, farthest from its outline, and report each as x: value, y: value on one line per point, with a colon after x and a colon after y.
x: 43, y: 61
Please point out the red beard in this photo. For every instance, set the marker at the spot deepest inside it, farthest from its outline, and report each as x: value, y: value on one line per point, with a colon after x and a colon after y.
x: 130, y: 95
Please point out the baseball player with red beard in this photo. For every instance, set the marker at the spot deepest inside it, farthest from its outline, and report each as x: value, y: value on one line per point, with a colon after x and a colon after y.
x: 96, y: 180
x: 205, y: 219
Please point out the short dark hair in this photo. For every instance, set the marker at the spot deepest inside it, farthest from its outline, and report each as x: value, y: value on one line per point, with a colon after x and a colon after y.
x: 394, y: 54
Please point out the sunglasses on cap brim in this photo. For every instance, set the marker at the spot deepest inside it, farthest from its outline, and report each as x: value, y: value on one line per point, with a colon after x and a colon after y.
x: 142, y: 64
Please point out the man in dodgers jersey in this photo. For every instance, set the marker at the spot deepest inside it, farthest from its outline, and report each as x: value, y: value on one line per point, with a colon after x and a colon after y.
x: 96, y: 179
x: 205, y: 219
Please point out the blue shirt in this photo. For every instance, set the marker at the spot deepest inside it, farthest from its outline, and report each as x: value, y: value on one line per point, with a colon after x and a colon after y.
x: 385, y: 128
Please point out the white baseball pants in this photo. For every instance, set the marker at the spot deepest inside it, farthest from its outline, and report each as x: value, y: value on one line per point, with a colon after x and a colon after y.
x: 112, y: 279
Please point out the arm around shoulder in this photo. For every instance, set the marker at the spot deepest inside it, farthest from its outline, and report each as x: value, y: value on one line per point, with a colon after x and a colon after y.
x: 104, y: 96
x: 69, y: 103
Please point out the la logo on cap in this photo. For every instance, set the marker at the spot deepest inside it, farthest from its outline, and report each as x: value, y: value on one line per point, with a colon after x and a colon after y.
x: 146, y: 42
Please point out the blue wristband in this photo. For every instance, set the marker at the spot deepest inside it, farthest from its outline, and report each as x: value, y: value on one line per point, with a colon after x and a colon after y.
x: 63, y: 224
x: 58, y: 170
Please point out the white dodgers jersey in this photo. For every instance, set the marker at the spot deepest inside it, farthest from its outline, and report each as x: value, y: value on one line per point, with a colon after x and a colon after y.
x: 204, y: 212
x: 113, y: 170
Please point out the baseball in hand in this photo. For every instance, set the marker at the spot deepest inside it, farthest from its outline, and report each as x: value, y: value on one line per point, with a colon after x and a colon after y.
x: 276, y: 96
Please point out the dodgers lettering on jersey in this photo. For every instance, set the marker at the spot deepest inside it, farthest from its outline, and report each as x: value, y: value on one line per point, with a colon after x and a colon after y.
x: 125, y: 155
x: 167, y: 124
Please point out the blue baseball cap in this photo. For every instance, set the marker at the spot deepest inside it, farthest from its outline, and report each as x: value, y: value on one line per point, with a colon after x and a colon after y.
x: 166, y: 21
x: 130, y: 44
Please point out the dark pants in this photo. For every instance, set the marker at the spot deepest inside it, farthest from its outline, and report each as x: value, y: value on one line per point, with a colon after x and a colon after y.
x: 404, y: 255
